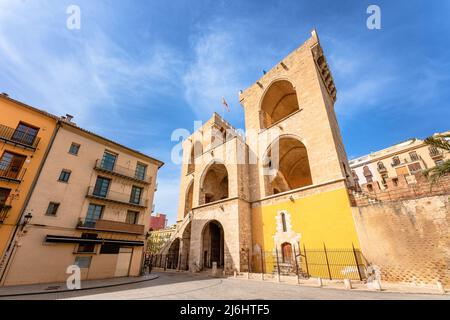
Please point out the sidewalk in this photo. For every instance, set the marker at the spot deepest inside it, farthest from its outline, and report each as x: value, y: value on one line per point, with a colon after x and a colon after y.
x: 339, y: 284
x: 61, y: 287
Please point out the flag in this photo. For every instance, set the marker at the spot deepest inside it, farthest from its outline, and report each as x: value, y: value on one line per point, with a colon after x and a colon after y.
x: 225, y: 104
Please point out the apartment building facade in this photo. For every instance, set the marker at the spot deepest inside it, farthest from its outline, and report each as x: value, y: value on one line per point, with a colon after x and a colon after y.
x: 387, y: 168
x: 25, y: 137
x: 90, y: 207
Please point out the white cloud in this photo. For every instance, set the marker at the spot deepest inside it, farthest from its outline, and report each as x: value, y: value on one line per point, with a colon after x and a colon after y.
x: 213, y: 74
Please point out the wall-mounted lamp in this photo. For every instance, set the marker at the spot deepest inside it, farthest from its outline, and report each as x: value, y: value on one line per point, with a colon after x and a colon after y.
x: 292, y: 198
x: 221, y: 207
x: 26, y: 220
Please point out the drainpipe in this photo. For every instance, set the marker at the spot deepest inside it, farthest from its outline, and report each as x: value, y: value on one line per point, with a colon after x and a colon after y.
x: 27, y: 200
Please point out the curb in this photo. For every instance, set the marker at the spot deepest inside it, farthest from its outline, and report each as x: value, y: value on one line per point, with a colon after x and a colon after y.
x: 77, y: 290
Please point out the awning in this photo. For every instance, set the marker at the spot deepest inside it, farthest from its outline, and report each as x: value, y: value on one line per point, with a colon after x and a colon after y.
x: 63, y: 239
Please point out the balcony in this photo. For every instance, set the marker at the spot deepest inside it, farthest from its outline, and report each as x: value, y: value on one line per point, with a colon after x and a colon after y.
x: 436, y: 153
x: 18, y: 138
x: 10, y: 173
x: 111, y: 226
x: 4, y: 209
x: 382, y: 169
x: 117, y: 198
x: 120, y: 171
x: 406, y: 161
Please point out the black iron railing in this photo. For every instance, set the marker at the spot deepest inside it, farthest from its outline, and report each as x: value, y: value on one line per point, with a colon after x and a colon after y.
x: 18, y: 137
x: 130, y: 173
x: 4, y: 209
x: 117, y: 197
x: 172, y: 261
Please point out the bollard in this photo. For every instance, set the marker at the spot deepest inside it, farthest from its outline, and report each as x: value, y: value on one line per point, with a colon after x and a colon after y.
x: 278, y: 277
x: 235, y: 273
x: 347, y: 284
x: 262, y: 276
x: 248, y: 275
x: 214, y: 269
x: 319, y: 282
x: 440, y: 288
x: 375, y: 285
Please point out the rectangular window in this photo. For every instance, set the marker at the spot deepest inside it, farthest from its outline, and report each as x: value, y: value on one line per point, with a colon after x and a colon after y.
x: 101, y: 187
x: 83, y: 262
x: 95, y: 212
x: 141, y: 170
x: 439, y: 162
x: 109, y: 248
x: 132, y: 217
x: 74, y: 148
x: 109, y: 161
x: 4, y: 194
x: 413, y: 155
x: 414, y: 167
x: 25, y: 134
x: 136, y: 193
x: 395, y: 160
x: 11, y: 165
x: 87, y: 247
x: 64, y: 176
x: 52, y: 209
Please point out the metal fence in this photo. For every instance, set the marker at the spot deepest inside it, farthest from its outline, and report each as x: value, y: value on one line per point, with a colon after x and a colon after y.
x: 326, y: 263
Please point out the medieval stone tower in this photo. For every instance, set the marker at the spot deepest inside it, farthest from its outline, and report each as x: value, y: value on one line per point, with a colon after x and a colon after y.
x: 285, y: 183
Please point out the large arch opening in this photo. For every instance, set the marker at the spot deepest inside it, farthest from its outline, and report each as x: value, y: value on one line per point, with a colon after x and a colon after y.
x: 189, y: 200
x: 213, y: 245
x: 279, y: 102
x: 196, y: 151
x: 215, y: 184
x: 186, y: 247
x: 286, y: 166
x: 173, y: 254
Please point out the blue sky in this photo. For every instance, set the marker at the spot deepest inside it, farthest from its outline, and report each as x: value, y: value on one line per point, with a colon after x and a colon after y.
x: 137, y: 70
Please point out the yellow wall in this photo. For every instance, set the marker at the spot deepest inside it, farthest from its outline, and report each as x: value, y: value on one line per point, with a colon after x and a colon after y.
x: 322, y: 218
x: 11, y: 113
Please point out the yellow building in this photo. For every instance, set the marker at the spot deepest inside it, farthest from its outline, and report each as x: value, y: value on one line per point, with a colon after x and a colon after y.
x: 157, y: 239
x: 279, y: 190
x: 25, y: 137
x: 388, y: 168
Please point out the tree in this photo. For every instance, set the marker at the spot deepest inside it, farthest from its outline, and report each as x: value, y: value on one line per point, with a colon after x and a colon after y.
x: 441, y: 141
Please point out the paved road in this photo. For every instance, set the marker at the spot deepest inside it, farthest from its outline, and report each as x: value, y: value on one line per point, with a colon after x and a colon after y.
x: 190, y: 286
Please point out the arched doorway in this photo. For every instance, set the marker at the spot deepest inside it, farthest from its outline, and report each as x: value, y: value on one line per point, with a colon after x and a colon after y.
x: 279, y: 101
x: 173, y: 254
x: 286, y: 252
x: 214, y: 186
x: 213, y: 245
x: 286, y: 166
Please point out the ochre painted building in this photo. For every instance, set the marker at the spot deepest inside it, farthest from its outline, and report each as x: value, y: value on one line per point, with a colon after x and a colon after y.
x: 281, y: 188
x: 90, y: 207
x: 25, y: 136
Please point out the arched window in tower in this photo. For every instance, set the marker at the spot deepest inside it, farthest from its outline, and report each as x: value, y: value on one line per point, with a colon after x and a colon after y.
x: 279, y: 102
x: 286, y: 166
x: 283, y: 222
x: 215, y: 184
x: 196, y: 151
x: 189, y: 199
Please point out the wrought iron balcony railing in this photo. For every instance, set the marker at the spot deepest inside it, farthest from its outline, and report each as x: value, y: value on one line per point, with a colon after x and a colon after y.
x: 122, y: 171
x: 11, y: 173
x: 436, y: 153
x: 4, y: 209
x: 18, y: 137
x: 117, y: 197
x: 109, y: 225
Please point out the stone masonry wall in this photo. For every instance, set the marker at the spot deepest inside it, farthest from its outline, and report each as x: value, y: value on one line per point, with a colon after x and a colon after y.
x: 409, y: 240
